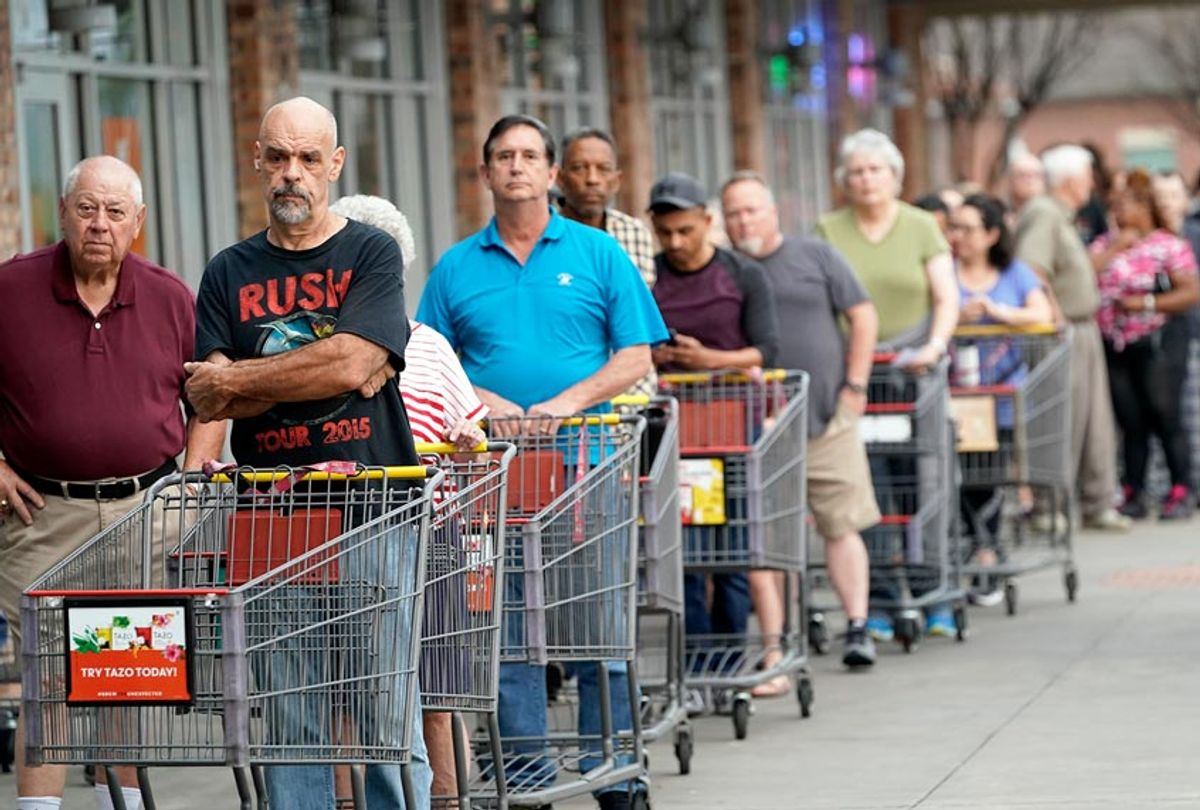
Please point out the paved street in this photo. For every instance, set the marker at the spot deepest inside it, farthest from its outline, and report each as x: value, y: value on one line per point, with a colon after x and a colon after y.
x: 1087, y: 706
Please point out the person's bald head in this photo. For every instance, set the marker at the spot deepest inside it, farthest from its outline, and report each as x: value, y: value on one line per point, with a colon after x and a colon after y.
x: 100, y: 213
x: 297, y: 158
x: 112, y: 172
x: 304, y: 111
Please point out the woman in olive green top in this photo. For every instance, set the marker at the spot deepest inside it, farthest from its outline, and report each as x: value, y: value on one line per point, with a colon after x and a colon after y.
x: 903, y: 261
x: 897, y: 250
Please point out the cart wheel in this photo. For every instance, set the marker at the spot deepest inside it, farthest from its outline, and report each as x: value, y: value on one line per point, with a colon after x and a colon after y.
x: 639, y: 801
x: 907, y: 632
x: 804, y: 693
x: 818, y: 634
x: 1071, y: 580
x: 1010, y: 597
x: 89, y: 774
x: 960, y: 621
x: 741, y: 717
x: 683, y: 749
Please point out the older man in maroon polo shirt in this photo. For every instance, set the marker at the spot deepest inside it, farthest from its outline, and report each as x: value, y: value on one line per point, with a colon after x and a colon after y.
x: 90, y: 395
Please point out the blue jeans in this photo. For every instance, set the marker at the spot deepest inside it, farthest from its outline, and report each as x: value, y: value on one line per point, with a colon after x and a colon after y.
x: 729, y: 616
x: 523, y: 714
x: 362, y: 632
x: 310, y: 787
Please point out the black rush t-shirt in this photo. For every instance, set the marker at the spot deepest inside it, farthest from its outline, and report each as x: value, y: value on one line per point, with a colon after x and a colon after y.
x: 258, y: 300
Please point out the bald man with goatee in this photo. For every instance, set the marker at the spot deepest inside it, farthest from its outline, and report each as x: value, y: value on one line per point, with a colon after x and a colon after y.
x: 298, y: 330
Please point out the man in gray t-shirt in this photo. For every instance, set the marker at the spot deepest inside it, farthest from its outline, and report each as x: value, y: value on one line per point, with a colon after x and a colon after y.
x: 813, y: 287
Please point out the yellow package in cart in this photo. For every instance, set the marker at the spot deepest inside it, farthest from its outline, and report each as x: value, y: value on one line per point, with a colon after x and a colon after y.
x: 702, y: 491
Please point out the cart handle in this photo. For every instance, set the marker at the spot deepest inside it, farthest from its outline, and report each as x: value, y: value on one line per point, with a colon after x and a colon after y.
x: 374, y: 474
x: 1000, y: 330
x: 132, y: 592
x: 447, y: 449
x: 636, y: 400
x: 571, y: 421
x: 768, y: 375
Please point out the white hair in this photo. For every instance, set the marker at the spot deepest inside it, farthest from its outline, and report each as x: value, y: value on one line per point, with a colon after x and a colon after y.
x: 383, y: 215
x: 874, y: 142
x: 72, y: 180
x: 1064, y: 162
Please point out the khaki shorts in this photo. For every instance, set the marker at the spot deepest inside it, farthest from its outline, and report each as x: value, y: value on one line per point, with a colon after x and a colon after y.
x: 28, y: 552
x: 840, y: 495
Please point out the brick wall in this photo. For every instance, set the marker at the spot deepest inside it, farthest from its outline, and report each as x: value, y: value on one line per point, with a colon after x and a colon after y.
x: 264, y: 65
x: 474, y: 106
x: 745, y: 84
x: 629, y: 100
x: 10, y: 206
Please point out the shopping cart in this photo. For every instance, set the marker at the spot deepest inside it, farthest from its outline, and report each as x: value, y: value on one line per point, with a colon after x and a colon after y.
x: 1011, y: 400
x: 742, y: 480
x: 914, y: 549
x: 660, y: 639
x: 570, y: 596
x: 460, y: 641
x: 238, y: 618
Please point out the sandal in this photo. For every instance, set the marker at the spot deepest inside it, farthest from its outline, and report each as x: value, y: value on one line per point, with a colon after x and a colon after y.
x: 778, y: 686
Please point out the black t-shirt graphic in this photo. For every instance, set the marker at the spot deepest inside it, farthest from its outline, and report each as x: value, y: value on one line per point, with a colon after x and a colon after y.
x: 257, y: 300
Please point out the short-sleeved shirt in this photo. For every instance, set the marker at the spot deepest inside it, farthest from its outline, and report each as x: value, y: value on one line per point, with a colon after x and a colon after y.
x: 1000, y: 361
x: 892, y: 270
x: 437, y: 394
x: 812, y: 286
x: 1134, y: 271
x: 725, y: 305
x: 85, y: 397
x: 527, y: 332
x: 1048, y: 241
x: 257, y: 299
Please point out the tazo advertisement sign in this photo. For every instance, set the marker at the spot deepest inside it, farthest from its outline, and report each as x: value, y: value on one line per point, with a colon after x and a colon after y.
x: 128, y: 650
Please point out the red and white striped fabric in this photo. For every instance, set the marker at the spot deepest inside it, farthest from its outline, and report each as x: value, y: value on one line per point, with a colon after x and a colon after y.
x: 434, y: 387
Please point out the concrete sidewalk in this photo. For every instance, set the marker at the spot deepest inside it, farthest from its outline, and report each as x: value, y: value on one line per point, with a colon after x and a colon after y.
x: 1092, y: 705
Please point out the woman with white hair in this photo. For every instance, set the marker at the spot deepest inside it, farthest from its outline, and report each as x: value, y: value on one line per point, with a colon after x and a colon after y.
x: 442, y: 407
x: 903, y: 261
x: 896, y: 250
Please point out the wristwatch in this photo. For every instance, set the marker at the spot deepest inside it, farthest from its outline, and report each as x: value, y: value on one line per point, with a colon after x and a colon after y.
x: 855, y: 388
x: 1148, y: 302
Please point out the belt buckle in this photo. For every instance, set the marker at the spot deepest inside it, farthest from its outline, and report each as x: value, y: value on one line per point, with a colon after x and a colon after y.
x: 103, y: 482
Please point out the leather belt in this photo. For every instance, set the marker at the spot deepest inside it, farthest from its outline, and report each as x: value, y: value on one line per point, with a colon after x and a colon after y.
x: 110, y: 489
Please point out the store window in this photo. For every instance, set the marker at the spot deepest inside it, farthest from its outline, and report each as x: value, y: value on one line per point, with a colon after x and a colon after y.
x: 551, y: 59
x: 796, y: 131
x: 689, y: 95
x: 143, y: 80
x: 379, y: 65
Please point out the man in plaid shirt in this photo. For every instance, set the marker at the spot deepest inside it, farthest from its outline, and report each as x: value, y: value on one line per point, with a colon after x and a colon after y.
x: 589, y: 179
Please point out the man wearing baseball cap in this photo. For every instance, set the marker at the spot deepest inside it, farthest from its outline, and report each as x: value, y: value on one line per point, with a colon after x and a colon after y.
x: 718, y: 307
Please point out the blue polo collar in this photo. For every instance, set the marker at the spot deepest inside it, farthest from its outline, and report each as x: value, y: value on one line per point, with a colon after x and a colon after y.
x: 553, y: 232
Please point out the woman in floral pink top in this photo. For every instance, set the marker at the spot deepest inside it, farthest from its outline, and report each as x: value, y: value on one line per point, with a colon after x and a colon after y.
x: 1147, y: 278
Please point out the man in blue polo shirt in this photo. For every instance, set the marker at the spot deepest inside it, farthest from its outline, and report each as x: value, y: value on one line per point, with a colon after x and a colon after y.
x: 551, y: 318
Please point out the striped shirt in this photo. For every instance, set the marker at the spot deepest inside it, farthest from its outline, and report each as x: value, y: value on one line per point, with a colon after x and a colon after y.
x: 434, y: 387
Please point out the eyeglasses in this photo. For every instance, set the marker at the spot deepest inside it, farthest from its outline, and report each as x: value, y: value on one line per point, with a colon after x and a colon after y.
x: 959, y: 227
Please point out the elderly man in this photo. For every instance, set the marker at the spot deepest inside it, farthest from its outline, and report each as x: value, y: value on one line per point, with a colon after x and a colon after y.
x: 551, y: 319
x: 90, y: 406
x: 1049, y: 243
x: 1026, y: 181
x: 813, y: 287
x: 300, y: 327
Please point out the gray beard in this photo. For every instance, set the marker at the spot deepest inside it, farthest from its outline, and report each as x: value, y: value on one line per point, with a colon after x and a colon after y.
x: 290, y: 213
x: 751, y: 247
